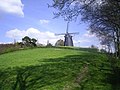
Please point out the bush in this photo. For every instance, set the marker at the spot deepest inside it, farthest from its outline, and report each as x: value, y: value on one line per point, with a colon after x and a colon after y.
x: 5, y: 48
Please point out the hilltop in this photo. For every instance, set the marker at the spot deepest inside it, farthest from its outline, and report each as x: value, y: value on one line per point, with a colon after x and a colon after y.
x: 54, y: 69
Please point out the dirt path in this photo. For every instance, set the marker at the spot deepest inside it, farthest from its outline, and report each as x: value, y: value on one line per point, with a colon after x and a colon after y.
x: 76, y: 82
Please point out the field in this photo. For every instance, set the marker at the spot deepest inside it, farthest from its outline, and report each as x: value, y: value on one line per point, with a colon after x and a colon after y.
x: 54, y: 69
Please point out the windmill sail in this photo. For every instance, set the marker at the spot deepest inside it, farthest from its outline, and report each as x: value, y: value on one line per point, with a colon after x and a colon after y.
x: 67, y: 27
x: 68, y: 36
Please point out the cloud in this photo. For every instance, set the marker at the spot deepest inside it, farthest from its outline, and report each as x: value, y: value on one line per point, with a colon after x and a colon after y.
x: 15, y: 33
x: 89, y: 35
x: 12, y: 6
x: 6, y: 42
x: 43, y: 21
x: 42, y: 37
x: 82, y: 41
x: 87, y: 39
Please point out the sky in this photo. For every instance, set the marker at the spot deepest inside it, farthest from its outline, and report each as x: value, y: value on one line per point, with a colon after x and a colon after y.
x: 33, y: 18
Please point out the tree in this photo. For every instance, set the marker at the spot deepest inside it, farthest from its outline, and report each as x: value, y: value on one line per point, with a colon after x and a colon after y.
x: 102, y: 15
x: 104, y: 22
x: 33, y: 41
x: 27, y: 41
x: 59, y: 43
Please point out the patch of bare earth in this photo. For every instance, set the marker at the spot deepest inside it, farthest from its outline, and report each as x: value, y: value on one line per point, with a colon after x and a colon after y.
x: 78, y: 80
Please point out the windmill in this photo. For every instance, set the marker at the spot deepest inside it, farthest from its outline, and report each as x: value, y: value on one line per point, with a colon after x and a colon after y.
x: 68, y: 37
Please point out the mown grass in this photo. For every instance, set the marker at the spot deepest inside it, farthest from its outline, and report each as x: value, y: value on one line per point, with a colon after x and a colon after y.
x: 32, y: 56
x: 54, y: 69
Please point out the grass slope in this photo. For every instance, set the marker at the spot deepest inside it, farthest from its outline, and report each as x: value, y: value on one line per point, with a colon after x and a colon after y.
x: 32, y: 56
x: 54, y: 69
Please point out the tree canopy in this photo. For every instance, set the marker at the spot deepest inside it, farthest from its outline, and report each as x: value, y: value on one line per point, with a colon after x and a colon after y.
x: 103, y: 17
x: 27, y: 41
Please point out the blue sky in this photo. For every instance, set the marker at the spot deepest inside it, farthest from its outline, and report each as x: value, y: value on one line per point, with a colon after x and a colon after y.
x: 33, y: 18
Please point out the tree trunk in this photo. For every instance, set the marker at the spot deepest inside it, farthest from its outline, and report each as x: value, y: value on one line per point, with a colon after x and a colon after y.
x: 118, y: 44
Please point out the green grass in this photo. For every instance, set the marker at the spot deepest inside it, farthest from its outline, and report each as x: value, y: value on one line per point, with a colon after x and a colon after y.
x: 54, y: 69
x: 32, y: 56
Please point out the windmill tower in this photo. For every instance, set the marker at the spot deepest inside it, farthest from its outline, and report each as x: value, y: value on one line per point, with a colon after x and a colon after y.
x: 68, y: 37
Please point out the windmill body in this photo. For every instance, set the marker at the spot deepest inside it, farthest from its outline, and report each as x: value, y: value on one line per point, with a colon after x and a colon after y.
x: 68, y: 41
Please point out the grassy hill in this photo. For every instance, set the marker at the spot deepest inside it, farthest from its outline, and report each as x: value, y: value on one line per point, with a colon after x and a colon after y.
x: 54, y: 69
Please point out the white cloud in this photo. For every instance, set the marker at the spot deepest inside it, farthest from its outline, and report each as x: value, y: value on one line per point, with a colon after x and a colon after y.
x: 12, y: 6
x: 6, y: 42
x: 42, y: 37
x: 87, y: 39
x: 43, y: 21
x: 89, y: 35
x: 2, y: 43
x: 81, y: 40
